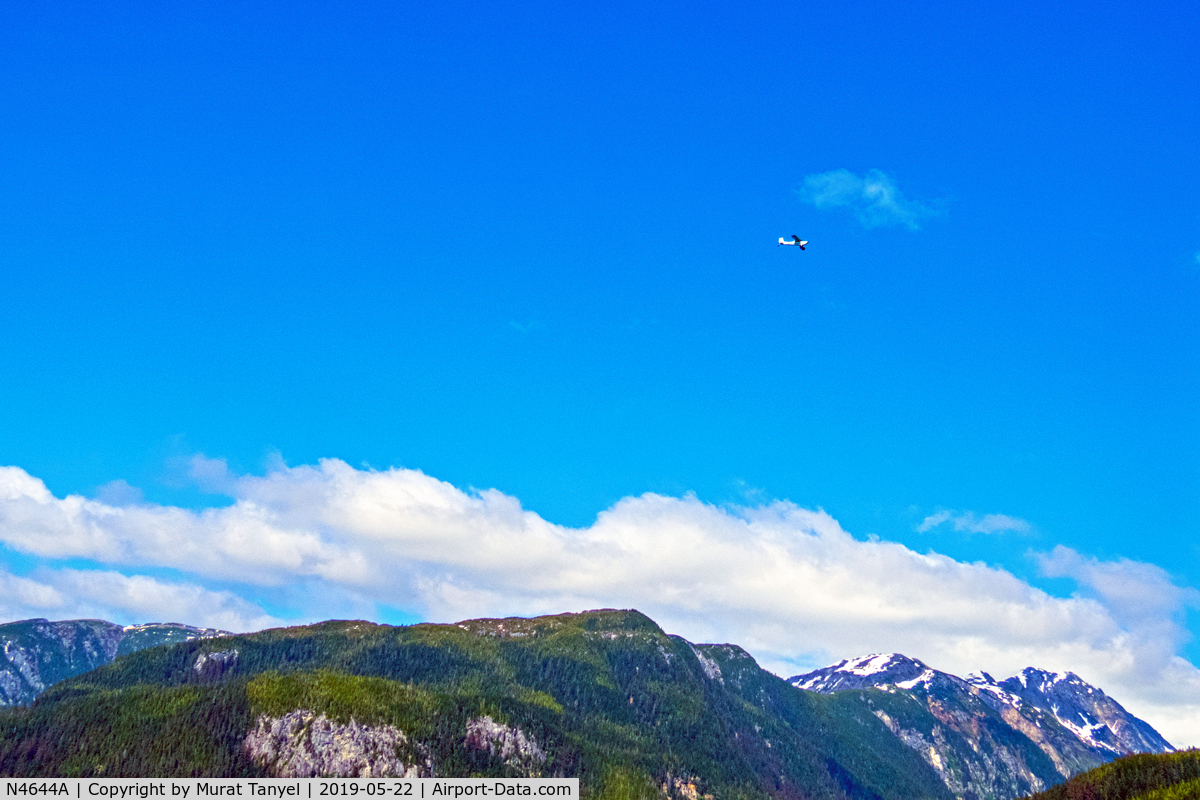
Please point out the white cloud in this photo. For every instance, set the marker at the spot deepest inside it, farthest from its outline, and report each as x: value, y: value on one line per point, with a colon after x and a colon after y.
x: 874, y: 198
x: 103, y: 594
x: 22, y: 598
x: 988, y: 523
x: 787, y: 583
x: 1140, y: 597
x: 210, y: 474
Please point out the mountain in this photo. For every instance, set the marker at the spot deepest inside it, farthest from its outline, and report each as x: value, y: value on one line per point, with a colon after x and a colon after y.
x: 606, y: 696
x: 989, y: 739
x: 38, y: 653
x: 1092, y: 715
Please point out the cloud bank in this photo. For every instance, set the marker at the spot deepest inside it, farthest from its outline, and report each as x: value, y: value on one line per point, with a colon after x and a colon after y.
x: 874, y: 198
x: 787, y: 583
x: 107, y: 594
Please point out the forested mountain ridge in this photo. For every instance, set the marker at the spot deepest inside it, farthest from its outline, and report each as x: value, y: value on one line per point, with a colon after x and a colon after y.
x: 1169, y: 776
x: 606, y: 696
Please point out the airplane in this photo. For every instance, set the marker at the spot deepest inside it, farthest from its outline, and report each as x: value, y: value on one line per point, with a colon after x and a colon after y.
x: 795, y: 241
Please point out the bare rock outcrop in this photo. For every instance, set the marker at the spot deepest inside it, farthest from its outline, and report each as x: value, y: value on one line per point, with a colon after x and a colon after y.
x: 302, y: 744
x: 511, y: 745
x: 214, y: 666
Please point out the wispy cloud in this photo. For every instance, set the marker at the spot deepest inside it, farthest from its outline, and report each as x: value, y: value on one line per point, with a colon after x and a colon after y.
x: 967, y: 521
x: 788, y: 583
x: 874, y: 198
x: 1142, y: 596
x: 120, y: 493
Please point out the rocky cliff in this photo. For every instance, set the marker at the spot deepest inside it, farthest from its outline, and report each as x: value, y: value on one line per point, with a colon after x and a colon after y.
x: 38, y: 653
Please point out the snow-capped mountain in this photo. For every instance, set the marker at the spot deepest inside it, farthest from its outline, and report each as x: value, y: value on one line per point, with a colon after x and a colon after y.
x: 869, y: 672
x: 38, y: 653
x: 1082, y: 708
x: 988, y: 738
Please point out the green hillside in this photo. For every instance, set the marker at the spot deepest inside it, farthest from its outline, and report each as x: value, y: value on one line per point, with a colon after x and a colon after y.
x: 1172, y: 776
x: 606, y: 696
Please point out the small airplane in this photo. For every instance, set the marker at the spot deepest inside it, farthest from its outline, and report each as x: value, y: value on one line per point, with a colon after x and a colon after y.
x: 795, y: 241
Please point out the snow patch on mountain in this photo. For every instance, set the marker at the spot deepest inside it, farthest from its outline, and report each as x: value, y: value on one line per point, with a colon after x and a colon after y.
x: 869, y: 665
x: 876, y: 670
x: 924, y: 679
x: 991, y: 690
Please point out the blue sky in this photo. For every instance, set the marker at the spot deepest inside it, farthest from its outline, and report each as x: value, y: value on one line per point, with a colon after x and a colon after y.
x: 532, y: 249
